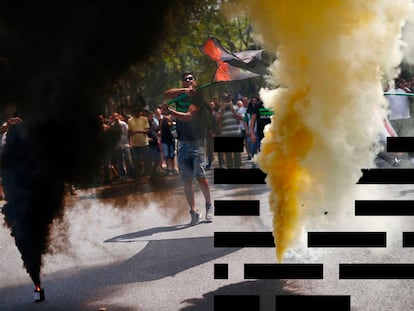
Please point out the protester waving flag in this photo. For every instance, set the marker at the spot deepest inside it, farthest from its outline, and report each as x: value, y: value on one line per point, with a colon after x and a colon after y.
x: 234, y: 66
x: 231, y: 66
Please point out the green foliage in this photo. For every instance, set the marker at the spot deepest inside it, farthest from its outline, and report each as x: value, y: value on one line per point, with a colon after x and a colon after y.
x: 188, y: 26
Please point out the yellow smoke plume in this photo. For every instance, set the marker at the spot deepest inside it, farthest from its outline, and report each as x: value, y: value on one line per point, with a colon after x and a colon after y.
x: 328, y: 104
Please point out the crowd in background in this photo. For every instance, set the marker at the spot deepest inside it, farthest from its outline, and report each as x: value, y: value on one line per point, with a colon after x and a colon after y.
x: 145, y: 142
x: 147, y: 148
x: 142, y: 145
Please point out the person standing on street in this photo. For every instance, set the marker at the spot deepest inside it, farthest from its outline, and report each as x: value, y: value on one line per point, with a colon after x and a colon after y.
x: 261, y: 116
x: 168, y: 141
x: 229, y: 119
x: 192, y: 125
x: 242, y: 111
x: 138, y: 127
x: 122, y: 154
x: 253, y: 146
x: 399, y: 110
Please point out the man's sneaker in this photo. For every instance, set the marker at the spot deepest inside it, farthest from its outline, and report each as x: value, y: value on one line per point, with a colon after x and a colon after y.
x: 209, y: 212
x: 195, y: 217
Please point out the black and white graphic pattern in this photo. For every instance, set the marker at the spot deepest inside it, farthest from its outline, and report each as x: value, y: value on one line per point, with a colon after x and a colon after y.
x: 325, y: 240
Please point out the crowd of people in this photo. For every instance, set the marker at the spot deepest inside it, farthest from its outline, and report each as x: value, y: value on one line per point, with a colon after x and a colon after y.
x: 147, y: 144
x: 178, y: 139
x: 167, y: 141
x: 143, y: 146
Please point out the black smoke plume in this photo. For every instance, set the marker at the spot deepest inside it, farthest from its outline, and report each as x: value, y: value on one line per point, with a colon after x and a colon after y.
x: 56, y: 58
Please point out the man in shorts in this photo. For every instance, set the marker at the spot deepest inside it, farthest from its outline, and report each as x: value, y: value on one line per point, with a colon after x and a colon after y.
x: 192, y: 125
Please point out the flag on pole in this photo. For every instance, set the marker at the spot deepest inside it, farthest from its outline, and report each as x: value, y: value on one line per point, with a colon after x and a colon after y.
x: 234, y: 66
x: 231, y: 66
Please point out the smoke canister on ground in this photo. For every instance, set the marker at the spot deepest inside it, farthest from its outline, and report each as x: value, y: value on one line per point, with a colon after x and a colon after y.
x: 39, y: 294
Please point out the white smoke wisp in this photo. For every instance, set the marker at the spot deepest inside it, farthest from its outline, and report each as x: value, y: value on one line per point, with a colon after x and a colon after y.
x: 85, y: 234
x: 332, y: 58
x: 408, y: 39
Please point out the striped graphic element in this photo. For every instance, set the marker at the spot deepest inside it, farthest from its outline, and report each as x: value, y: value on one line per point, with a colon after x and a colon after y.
x: 221, y: 271
x: 239, y: 176
x: 316, y: 302
x: 408, y: 239
x: 387, y: 176
x: 384, y: 208
x: 347, y: 239
x: 400, y: 144
x: 236, y: 207
x: 283, y: 271
x: 376, y: 271
x: 243, y: 239
x: 228, y: 144
x: 236, y: 302
x: 266, y: 271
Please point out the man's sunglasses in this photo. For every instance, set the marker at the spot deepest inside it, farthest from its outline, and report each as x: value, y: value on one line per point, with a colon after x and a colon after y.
x: 188, y: 79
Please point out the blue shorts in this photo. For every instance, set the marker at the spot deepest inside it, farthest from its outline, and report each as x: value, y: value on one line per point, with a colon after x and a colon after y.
x: 168, y: 150
x: 191, y: 159
x: 253, y: 147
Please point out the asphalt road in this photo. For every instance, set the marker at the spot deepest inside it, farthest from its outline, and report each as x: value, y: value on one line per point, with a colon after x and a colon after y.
x: 128, y: 247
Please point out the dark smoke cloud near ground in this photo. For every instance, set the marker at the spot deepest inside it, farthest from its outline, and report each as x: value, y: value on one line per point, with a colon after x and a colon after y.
x: 60, y: 56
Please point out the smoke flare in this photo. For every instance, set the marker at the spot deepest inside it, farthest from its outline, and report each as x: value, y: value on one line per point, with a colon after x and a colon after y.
x: 60, y: 57
x: 332, y: 57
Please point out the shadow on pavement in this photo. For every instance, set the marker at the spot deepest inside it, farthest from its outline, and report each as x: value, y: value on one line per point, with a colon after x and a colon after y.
x: 163, y: 258
x: 266, y: 289
x: 74, y: 289
x: 130, y: 237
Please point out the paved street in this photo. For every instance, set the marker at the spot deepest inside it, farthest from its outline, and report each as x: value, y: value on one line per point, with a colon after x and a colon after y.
x: 128, y: 247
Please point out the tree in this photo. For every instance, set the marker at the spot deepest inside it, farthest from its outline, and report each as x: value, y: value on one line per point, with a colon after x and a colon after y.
x: 145, y: 82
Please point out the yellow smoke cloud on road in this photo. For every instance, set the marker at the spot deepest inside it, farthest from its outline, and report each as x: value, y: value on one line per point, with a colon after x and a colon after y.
x: 332, y: 56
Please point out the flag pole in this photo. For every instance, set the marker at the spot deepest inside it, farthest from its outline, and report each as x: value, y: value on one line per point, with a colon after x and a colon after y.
x: 184, y: 95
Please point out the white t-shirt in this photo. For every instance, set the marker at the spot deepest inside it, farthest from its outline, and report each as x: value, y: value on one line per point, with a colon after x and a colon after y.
x: 398, y: 105
x: 124, y: 141
x: 242, y: 111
